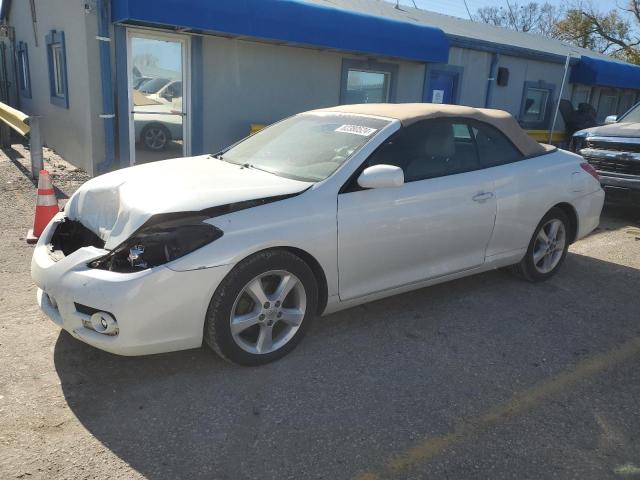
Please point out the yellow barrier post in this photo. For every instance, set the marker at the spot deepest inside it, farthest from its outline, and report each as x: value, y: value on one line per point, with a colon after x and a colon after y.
x: 15, y: 119
x: 28, y: 127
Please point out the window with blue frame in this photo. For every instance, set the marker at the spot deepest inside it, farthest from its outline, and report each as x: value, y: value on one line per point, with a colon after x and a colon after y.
x: 537, y: 105
x: 24, y: 77
x: 57, y: 59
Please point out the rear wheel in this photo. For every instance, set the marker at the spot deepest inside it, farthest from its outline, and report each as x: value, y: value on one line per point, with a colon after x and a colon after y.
x: 262, y: 309
x: 155, y: 137
x: 547, y: 248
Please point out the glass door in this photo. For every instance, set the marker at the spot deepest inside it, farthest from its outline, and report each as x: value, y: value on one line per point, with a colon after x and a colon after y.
x: 158, y: 70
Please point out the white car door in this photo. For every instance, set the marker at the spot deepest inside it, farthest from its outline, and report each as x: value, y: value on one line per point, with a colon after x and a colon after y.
x: 522, y: 189
x: 439, y: 222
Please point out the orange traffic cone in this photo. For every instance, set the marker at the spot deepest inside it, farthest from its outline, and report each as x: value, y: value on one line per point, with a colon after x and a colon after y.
x: 46, y: 206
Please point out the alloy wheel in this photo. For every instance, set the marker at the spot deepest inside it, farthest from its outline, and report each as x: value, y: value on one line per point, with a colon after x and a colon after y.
x: 549, y: 246
x: 155, y: 138
x: 268, y: 312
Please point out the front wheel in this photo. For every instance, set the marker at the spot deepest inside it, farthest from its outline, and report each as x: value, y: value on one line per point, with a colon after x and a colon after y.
x: 262, y: 309
x: 547, y: 248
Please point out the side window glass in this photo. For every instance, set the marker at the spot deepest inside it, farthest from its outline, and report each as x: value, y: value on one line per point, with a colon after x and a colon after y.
x: 465, y: 158
x: 177, y: 89
x: 429, y: 149
x: 493, y: 147
x: 400, y: 148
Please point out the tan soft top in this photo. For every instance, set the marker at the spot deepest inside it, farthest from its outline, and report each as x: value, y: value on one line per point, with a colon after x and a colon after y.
x: 409, y: 113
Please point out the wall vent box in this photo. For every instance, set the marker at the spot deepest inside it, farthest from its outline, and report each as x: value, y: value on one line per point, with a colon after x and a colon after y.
x: 503, y: 76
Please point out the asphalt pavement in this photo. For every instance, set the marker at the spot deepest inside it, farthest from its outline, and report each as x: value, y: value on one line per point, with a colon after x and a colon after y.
x: 484, y: 377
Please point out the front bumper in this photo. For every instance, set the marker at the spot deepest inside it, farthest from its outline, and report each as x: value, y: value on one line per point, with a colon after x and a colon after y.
x: 619, y: 170
x: 157, y: 310
x: 621, y: 188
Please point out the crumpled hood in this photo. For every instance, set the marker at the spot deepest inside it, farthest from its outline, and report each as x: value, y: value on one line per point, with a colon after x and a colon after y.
x: 622, y: 129
x: 116, y: 204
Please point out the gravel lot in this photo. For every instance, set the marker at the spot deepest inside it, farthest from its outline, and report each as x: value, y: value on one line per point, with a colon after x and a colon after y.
x: 485, y: 377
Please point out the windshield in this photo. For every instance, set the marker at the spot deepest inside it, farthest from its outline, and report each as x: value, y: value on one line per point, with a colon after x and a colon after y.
x: 307, y: 147
x: 153, y: 85
x: 632, y: 115
x: 137, y: 83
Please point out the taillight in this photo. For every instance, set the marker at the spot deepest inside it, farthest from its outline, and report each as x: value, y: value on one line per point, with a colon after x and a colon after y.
x: 587, y: 167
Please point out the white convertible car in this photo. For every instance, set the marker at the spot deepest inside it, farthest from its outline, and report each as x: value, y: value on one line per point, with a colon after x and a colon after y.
x: 319, y: 212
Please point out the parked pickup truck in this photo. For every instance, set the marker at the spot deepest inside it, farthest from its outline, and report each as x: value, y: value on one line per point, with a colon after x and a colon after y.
x: 614, y: 150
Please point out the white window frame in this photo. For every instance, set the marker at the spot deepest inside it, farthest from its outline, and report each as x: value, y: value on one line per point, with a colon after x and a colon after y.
x: 185, y: 40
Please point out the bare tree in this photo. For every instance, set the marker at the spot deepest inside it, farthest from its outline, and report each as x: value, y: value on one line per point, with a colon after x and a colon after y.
x: 146, y: 60
x: 616, y: 32
x: 530, y: 17
x: 605, y: 32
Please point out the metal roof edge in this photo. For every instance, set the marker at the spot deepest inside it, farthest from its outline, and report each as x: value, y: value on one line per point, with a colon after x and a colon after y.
x: 509, y: 50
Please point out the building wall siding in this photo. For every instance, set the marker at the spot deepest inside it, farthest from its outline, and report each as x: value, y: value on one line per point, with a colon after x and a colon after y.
x: 521, y: 70
x: 249, y: 82
x: 244, y: 82
x: 474, y: 77
x: 70, y: 132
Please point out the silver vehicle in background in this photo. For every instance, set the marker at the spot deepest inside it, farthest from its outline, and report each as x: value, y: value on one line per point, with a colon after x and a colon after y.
x: 614, y: 151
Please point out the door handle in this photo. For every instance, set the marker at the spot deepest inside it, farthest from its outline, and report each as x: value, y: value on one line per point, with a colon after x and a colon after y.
x: 482, y: 197
x: 182, y: 114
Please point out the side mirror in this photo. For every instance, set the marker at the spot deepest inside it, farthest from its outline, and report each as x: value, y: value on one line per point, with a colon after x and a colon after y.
x: 610, y: 119
x: 381, y: 176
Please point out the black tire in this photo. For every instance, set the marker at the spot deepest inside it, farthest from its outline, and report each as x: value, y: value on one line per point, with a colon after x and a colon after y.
x: 155, y: 137
x: 217, y: 327
x: 526, y: 269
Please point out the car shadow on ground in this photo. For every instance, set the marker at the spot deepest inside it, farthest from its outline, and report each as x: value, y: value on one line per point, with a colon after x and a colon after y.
x: 143, y: 155
x: 363, y: 383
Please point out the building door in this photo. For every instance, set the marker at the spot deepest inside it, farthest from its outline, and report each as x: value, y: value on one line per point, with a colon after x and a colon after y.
x: 442, y: 87
x: 158, y: 70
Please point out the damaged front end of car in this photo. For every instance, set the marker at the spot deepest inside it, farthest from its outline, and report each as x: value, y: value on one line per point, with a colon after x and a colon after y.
x: 162, y: 239
x: 69, y: 236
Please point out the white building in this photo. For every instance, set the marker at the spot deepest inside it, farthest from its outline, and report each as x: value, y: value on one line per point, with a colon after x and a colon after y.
x: 121, y: 82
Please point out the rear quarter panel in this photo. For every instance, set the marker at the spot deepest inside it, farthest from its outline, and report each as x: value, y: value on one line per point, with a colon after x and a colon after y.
x: 528, y: 189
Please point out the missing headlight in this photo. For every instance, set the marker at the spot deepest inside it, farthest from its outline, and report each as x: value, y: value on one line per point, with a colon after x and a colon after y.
x: 160, y: 240
x: 71, y: 235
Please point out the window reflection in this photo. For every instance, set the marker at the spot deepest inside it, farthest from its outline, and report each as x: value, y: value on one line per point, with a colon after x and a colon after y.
x: 607, y: 105
x: 535, y: 106
x: 156, y: 93
x: 365, y: 86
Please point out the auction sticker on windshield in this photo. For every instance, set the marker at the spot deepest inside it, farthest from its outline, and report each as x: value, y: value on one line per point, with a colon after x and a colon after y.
x: 356, y: 130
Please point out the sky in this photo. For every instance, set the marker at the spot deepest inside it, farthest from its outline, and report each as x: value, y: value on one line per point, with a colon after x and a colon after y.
x: 457, y: 8
x: 168, y: 53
